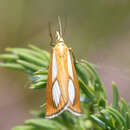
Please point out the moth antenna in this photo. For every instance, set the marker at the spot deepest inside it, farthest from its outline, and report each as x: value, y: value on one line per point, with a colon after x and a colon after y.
x: 60, y: 26
x: 65, y: 26
x: 50, y: 33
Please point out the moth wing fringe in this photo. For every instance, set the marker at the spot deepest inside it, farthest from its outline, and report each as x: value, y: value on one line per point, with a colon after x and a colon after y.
x: 74, y: 112
x: 65, y: 107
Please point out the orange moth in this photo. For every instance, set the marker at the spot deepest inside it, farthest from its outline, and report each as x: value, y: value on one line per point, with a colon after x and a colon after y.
x: 62, y: 90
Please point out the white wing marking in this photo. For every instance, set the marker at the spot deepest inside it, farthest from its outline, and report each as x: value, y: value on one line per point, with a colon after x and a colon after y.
x: 71, y: 90
x: 54, y: 67
x: 56, y: 93
x: 70, y: 65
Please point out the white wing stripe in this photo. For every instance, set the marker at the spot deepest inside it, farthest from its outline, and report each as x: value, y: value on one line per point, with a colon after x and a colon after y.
x: 71, y: 90
x: 70, y: 65
x: 56, y: 93
x: 54, y: 67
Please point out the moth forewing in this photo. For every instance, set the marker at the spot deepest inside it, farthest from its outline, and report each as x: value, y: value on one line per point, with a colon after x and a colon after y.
x: 74, y: 106
x: 56, y: 95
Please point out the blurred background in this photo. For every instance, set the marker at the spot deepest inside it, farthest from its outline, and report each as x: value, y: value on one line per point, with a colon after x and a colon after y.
x: 98, y: 31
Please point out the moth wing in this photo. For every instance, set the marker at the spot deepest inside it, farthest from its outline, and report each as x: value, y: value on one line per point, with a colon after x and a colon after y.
x: 55, y: 103
x: 73, y: 88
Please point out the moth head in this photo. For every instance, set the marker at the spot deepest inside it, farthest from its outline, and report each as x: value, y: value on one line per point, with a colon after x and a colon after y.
x: 59, y: 37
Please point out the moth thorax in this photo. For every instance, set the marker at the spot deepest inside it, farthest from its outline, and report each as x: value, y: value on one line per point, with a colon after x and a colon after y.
x: 61, y: 47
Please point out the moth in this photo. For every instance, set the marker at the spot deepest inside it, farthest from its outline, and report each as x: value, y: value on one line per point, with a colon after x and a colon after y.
x: 62, y: 90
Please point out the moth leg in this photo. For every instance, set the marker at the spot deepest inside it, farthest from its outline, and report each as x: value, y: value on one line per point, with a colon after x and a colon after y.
x: 73, y: 55
x: 43, y: 105
x: 52, y: 44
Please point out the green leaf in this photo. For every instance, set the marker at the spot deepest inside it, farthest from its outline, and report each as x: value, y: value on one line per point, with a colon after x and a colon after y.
x: 99, y: 88
x: 14, y: 66
x: 32, y: 59
x: 25, y: 127
x: 42, y: 52
x: 66, y: 119
x: 38, y: 113
x: 45, y: 123
x: 128, y: 120
x: 38, y: 85
x: 40, y: 78
x: 41, y: 72
x: 27, y: 51
x: 82, y: 73
x: 124, y: 107
x: 28, y: 65
x: 108, y: 119
x: 8, y: 57
x: 102, y: 103
x: 92, y: 71
x: 98, y: 122
x: 86, y: 90
x: 115, y: 96
x: 117, y: 115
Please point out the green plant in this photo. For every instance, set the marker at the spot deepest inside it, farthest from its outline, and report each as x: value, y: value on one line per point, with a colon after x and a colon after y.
x: 98, y: 115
